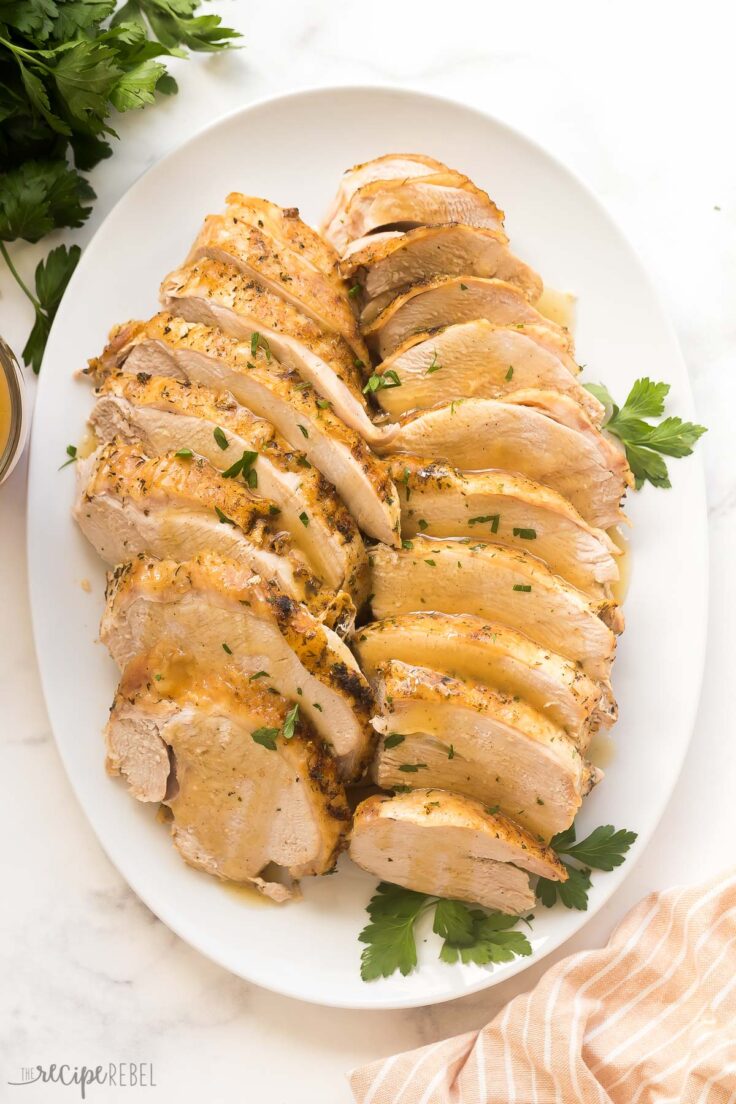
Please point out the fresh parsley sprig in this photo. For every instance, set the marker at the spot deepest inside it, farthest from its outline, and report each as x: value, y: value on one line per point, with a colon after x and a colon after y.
x: 604, y: 849
x: 63, y: 70
x: 469, y: 935
x: 647, y: 444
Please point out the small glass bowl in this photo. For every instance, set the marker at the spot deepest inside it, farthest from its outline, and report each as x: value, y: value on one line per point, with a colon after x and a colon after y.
x: 11, y: 451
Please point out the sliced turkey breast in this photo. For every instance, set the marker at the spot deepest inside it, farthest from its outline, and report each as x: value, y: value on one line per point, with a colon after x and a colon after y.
x: 233, y: 240
x: 467, y: 738
x: 203, y: 604
x: 221, y: 296
x: 509, y: 510
x: 169, y: 346
x: 511, y: 587
x: 171, y: 506
x: 287, y: 230
x: 478, y: 360
x: 477, y: 434
x: 465, y: 646
x: 563, y: 408
x: 387, y: 264
x: 447, y: 300
x: 216, y: 751
x: 442, y: 843
x: 166, y: 415
x: 402, y: 204
x: 392, y: 166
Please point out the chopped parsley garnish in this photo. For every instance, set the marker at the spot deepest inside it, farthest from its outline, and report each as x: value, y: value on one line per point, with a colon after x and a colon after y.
x: 434, y: 366
x: 354, y: 290
x: 266, y: 737
x: 646, y: 444
x: 407, y: 544
x: 451, y: 751
x: 423, y: 524
x: 525, y: 534
x: 290, y: 722
x: 227, y: 648
x: 524, y: 587
x: 387, y: 379
x: 470, y: 935
x: 405, y: 481
x: 304, y: 519
x: 219, y: 435
x: 463, y: 287
x: 510, y: 374
x: 430, y: 563
x: 259, y: 675
x: 323, y: 404
x: 71, y: 451
x: 184, y: 453
x: 494, y: 520
x: 303, y: 430
x: 223, y: 517
x: 393, y: 740
x: 412, y: 768
x: 244, y: 467
x: 259, y: 340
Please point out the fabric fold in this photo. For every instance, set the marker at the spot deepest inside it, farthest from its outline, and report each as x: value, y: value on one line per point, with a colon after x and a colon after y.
x: 649, y: 1018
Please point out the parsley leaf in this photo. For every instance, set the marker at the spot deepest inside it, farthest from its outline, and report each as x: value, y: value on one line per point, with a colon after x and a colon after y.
x: 573, y: 893
x: 52, y: 276
x: 62, y: 74
x: 646, y: 444
x: 604, y: 849
x: 485, y: 938
x: 266, y: 737
x: 388, y: 379
x: 290, y: 722
x: 469, y: 934
x: 389, y: 936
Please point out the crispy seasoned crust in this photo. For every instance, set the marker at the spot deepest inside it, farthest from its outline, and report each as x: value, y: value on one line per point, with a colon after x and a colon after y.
x: 440, y: 808
x: 220, y: 582
x: 260, y: 383
x: 236, y: 291
x: 235, y: 239
x: 331, y: 538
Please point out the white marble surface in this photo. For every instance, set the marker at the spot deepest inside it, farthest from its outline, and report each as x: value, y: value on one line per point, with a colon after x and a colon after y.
x: 639, y: 101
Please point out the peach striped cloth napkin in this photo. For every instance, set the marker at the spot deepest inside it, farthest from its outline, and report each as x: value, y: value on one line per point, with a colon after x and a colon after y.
x: 650, y: 1018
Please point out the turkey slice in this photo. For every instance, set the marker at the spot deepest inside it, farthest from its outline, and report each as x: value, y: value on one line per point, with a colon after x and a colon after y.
x: 233, y: 239
x: 520, y: 436
x: 166, y: 414
x: 448, y: 845
x: 203, y: 604
x: 478, y: 359
x: 465, y: 646
x: 467, y: 738
x: 509, y: 510
x: 214, y: 751
x: 447, y: 300
x: 221, y: 296
x: 460, y: 576
x: 391, y: 166
x: 386, y: 264
x: 174, y: 507
x: 403, y: 204
x: 169, y: 346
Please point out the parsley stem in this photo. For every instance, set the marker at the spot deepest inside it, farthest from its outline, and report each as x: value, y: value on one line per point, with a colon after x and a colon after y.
x: 17, y: 277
